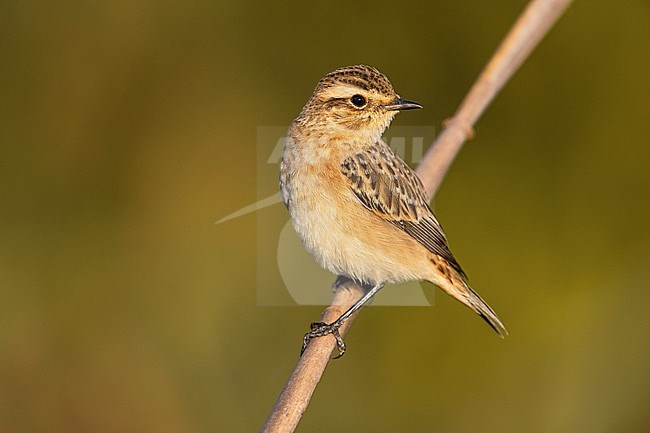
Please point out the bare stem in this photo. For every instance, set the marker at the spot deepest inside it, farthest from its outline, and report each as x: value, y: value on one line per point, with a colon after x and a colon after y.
x: 536, y: 20
x: 530, y: 28
x: 296, y: 394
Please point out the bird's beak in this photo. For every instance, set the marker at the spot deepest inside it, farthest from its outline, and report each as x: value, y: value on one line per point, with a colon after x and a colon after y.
x: 402, y: 104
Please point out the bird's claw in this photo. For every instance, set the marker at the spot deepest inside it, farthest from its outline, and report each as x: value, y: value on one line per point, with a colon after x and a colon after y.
x: 321, y: 329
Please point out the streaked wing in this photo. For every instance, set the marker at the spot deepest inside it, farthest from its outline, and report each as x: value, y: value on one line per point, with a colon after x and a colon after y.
x: 385, y: 185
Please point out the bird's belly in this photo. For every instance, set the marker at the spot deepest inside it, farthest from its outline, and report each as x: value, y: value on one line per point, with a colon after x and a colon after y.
x: 350, y: 240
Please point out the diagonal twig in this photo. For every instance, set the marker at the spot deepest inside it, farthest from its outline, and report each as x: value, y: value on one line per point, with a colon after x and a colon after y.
x: 536, y: 20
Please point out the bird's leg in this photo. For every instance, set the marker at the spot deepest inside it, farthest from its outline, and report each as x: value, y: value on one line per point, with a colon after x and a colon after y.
x: 320, y: 329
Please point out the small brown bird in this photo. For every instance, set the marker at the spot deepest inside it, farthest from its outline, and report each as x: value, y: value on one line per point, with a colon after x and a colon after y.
x: 356, y: 206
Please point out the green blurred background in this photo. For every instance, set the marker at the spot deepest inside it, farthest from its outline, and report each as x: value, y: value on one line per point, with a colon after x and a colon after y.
x: 129, y: 128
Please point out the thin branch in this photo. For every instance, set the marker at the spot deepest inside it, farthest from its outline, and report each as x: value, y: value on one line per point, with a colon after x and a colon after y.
x: 530, y: 28
x: 301, y: 384
x: 532, y: 25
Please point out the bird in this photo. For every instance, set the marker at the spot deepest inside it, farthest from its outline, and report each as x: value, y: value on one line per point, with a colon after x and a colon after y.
x: 357, y: 207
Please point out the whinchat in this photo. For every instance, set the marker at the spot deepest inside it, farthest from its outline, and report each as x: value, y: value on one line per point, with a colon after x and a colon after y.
x: 357, y: 207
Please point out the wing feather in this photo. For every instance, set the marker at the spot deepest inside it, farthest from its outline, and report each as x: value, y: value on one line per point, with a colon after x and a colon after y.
x: 385, y: 185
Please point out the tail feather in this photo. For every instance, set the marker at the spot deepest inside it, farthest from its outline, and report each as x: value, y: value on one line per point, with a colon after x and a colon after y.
x: 486, y: 313
x: 460, y: 290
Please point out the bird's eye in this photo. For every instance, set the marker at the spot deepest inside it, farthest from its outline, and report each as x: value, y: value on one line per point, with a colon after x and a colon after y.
x: 358, y: 101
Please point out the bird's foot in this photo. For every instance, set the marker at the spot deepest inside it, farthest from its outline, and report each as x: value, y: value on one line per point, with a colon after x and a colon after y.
x: 321, y: 329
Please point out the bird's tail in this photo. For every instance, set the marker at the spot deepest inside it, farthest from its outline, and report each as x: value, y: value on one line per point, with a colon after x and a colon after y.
x: 460, y: 290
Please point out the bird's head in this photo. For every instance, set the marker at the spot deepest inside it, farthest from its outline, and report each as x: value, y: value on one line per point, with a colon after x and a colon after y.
x: 355, y: 101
